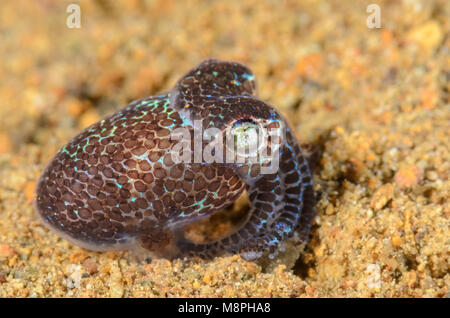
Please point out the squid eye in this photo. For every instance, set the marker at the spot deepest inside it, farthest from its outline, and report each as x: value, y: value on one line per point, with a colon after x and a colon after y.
x: 244, y: 137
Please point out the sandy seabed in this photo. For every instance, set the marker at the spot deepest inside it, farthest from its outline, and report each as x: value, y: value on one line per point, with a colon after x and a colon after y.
x: 375, y: 100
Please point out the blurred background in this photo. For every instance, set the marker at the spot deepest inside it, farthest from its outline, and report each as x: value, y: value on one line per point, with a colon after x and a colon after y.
x: 316, y: 55
x: 375, y: 99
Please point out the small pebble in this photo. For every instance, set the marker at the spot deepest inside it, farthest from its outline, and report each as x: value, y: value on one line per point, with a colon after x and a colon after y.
x: 6, y: 250
x: 432, y: 175
x: 428, y: 35
x: 382, y: 196
x: 90, y: 266
x: 396, y: 241
x: 408, y: 177
x: 29, y: 190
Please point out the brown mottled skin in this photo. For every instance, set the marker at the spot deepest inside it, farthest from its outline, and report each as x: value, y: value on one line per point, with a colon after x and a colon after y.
x: 115, y: 185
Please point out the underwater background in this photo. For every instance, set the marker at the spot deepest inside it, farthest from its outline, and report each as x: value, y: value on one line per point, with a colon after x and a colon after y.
x: 375, y: 100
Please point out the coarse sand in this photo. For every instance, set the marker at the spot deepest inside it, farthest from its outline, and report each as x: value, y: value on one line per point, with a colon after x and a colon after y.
x: 376, y: 101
